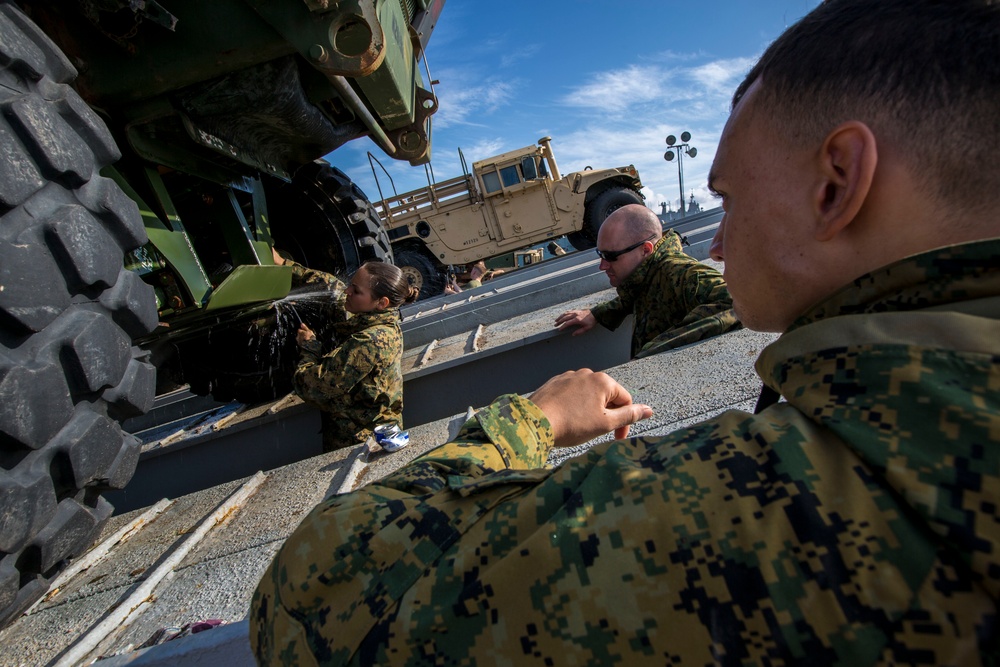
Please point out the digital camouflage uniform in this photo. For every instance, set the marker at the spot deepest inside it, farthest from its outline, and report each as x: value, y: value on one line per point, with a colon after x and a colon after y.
x: 675, y: 299
x: 857, y: 523
x: 358, y: 384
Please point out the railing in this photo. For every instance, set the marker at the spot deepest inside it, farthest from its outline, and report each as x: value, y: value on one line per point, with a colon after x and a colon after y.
x: 427, y: 200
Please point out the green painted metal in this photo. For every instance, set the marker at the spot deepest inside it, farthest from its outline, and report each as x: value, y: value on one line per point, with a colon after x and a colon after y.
x: 246, y: 245
x: 345, y: 41
x: 263, y: 250
x: 178, y: 155
x: 172, y: 242
x: 263, y: 220
x: 239, y: 238
x: 390, y: 90
x: 249, y: 284
x: 196, y: 50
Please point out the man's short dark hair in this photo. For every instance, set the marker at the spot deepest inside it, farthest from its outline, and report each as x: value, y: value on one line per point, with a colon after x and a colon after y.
x: 923, y: 74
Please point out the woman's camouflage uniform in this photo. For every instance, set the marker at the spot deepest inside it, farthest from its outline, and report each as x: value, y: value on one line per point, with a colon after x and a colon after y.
x: 857, y: 523
x: 359, y: 383
x: 675, y: 299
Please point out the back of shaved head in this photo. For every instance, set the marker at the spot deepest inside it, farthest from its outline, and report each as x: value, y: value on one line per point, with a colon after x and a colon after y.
x: 636, y: 223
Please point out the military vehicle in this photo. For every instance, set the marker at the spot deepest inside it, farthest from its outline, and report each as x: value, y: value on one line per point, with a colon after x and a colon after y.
x: 509, y: 201
x: 214, y: 114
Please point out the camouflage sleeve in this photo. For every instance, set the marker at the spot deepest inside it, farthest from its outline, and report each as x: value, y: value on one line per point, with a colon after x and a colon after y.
x: 704, y: 292
x: 335, y: 376
x: 311, y: 351
x: 706, y: 327
x: 333, y: 309
x: 355, y: 555
x: 512, y: 433
x: 707, y: 305
x: 303, y: 275
x: 611, y: 314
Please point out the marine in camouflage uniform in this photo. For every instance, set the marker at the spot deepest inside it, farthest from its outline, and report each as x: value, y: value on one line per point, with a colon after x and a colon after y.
x: 856, y: 523
x: 675, y: 299
x: 357, y: 382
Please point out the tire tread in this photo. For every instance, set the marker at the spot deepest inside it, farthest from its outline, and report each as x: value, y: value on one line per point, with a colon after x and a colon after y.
x: 68, y: 311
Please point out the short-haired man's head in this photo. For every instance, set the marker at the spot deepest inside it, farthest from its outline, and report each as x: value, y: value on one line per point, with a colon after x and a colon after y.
x: 924, y: 75
x: 478, y: 270
x: 634, y: 223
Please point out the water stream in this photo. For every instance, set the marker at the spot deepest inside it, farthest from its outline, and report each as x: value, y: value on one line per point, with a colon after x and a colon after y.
x: 271, y: 342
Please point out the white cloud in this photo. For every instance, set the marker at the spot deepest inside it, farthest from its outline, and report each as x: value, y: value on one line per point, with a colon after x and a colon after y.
x: 622, y: 117
x: 617, y: 90
x: 674, y: 56
x: 461, y: 103
x: 614, y: 118
x: 521, y: 53
x: 721, y: 76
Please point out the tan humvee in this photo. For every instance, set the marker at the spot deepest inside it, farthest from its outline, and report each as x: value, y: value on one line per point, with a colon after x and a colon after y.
x: 508, y: 202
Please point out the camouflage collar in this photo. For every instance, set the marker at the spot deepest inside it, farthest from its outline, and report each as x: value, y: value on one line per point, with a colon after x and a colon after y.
x: 669, y: 244
x: 361, y: 321
x: 941, y: 276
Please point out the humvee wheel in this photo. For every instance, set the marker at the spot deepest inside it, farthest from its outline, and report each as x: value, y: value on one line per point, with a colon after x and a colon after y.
x: 413, y: 277
x: 604, y: 205
x: 419, y: 271
x: 580, y: 241
x: 68, y: 311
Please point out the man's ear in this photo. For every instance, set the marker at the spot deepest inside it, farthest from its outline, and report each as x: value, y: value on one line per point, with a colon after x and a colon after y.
x: 847, y: 163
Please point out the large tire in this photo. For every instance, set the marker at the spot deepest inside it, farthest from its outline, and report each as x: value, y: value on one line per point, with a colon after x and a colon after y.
x: 581, y: 241
x: 603, y: 205
x: 420, y: 271
x: 68, y: 311
x: 325, y: 222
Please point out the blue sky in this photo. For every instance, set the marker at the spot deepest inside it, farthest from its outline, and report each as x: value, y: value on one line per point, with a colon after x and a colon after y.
x: 608, y: 81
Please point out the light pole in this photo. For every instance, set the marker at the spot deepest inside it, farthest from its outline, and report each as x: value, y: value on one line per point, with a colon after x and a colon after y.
x: 681, y: 149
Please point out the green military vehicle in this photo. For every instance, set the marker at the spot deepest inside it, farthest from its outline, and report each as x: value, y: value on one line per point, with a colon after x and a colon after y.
x: 186, y: 136
x: 508, y: 202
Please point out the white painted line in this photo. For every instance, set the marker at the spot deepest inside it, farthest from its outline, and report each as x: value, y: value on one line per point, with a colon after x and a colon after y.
x: 283, y: 403
x: 357, y: 465
x: 92, y: 557
x: 128, y: 610
x: 428, y: 353
x: 476, y: 342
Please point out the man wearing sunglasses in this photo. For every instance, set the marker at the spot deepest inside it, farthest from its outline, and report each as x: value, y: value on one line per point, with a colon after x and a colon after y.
x: 674, y: 298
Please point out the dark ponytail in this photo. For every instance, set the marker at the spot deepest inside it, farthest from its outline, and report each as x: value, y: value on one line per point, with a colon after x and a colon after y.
x: 389, y: 281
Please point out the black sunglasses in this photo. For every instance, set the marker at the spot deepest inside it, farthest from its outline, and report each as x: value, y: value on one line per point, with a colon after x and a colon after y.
x: 612, y: 255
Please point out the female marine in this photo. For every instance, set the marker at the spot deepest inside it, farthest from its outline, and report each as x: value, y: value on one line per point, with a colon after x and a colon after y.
x: 356, y: 381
